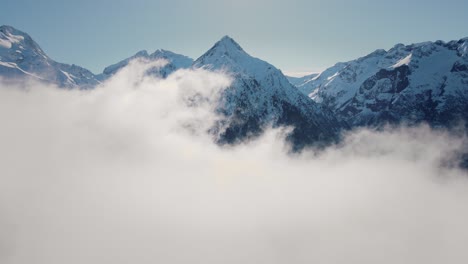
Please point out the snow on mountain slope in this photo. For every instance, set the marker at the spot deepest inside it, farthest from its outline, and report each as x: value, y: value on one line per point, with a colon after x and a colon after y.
x: 409, y: 83
x: 175, y: 62
x: 261, y: 95
x: 342, y: 80
x: 297, y: 81
x: 21, y: 56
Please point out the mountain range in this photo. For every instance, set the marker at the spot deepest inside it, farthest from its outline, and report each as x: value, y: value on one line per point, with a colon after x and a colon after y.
x: 175, y: 62
x: 410, y: 84
x: 425, y: 82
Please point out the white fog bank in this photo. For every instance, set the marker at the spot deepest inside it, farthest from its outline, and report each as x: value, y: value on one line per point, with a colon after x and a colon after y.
x: 125, y: 174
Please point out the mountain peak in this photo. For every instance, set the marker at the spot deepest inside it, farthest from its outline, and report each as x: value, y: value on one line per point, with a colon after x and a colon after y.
x: 6, y: 29
x: 9, y: 36
x: 227, y: 38
x: 9, y: 32
x: 229, y: 44
x: 226, y: 53
x: 178, y: 60
x: 163, y: 53
x: 21, y: 56
x: 141, y: 53
x: 12, y: 38
x: 175, y: 61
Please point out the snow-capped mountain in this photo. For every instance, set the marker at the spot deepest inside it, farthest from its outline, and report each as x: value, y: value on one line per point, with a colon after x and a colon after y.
x: 408, y: 83
x: 21, y: 56
x: 261, y: 95
x: 425, y: 82
x: 174, y: 62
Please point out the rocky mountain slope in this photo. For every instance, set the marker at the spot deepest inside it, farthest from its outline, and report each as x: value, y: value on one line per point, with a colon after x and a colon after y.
x: 261, y: 95
x: 425, y: 82
x: 21, y: 56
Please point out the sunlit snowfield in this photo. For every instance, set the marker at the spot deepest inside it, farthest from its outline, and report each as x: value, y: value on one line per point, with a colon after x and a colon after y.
x: 125, y: 173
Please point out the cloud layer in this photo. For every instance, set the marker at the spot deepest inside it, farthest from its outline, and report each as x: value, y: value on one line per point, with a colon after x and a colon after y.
x: 125, y: 174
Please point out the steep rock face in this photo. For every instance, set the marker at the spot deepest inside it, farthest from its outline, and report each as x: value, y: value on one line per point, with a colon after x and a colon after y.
x: 426, y: 82
x: 260, y: 96
x: 21, y: 56
x: 174, y: 62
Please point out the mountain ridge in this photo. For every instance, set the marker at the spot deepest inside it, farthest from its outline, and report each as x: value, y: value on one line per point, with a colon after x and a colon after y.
x: 175, y: 62
x: 422, y: 82
x: 410, y: 84
x: 22, y: 57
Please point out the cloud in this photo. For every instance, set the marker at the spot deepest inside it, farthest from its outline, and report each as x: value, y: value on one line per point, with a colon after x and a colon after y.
x: 125, y: 174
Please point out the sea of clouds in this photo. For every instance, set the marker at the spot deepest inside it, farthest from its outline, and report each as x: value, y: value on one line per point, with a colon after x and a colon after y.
x: 126, y: 173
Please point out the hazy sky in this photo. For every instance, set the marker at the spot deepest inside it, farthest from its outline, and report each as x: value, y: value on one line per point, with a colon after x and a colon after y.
x: 294, y: 35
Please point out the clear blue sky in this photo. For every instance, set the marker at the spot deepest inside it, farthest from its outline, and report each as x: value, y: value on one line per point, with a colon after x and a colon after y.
x: 294, y: 35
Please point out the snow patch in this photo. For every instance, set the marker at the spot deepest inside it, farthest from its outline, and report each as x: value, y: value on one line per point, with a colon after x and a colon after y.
x: 5, y: 44
x: 69, y: 76
x: 404, y: 61
x: 8, y: 64
x: 7, y: 40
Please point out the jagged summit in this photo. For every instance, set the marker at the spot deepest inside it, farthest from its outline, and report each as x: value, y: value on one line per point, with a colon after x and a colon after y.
x: 112, y: 69
x: 12, y: 38
x: 225, y: 53
x: 160, y: 52
x: 6, y: 29
x: 21, y: 56
x: 141, y: 53
x: 228, y: 44
x: 228, y: 55
x: 175, y: 62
